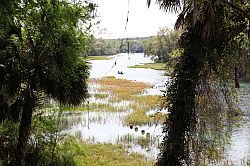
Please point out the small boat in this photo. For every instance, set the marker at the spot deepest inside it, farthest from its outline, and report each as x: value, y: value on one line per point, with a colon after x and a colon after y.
x: 120, y: 72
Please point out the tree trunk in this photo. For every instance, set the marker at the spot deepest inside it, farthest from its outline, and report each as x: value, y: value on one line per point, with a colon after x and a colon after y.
x: 236, y: 79
x: 24, y: 128
x: 181, y: 121
x: 181, y: 96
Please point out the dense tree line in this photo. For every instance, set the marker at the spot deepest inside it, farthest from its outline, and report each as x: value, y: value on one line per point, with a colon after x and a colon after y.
x: 164, y: 45
x: 104, y: 47
x: 165, y: 48
x: 114, y: 46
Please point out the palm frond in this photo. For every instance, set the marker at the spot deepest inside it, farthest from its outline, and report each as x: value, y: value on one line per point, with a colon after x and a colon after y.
x: 148, y: 3
x: 68, y: 87
x: 180, y: 20
x: 186, y: 17
x: 207, y: 31
x: 168, y: 5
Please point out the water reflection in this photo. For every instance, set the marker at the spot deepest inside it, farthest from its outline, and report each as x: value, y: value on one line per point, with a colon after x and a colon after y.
x: 239, y: 151
x: 109, y: 127
x: 102, y: 68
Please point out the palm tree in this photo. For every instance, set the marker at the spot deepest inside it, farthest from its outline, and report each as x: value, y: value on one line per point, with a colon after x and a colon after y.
x: 40, y: 47
x: 200, y: 19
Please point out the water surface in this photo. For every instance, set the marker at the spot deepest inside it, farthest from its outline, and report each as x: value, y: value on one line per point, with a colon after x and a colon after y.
x: 108, y: 127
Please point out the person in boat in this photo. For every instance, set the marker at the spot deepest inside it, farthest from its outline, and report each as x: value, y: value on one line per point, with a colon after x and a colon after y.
x: 120, y: 72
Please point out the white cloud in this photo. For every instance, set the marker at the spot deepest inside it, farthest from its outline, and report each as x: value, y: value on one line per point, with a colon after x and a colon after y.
x: 143, y: 21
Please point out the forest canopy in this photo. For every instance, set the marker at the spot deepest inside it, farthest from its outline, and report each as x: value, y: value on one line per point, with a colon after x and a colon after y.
x: 40, y: 47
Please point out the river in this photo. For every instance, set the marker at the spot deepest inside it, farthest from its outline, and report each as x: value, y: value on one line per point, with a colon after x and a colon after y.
x: 106, y: 127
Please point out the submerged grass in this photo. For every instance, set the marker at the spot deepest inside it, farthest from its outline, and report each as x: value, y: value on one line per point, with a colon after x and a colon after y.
x: 121, y: 87
x: 155, y: 66
x: 86, y: 154
x: 106, y: 107
x: 139, y: 117
x: 100, y: 95
x: 148, y: 101
x: 109, y: 154
x: 123, y: 95
x: 99, y: 57
x: 96, y: 107
x: 145, y: 141
x: 141, y: 105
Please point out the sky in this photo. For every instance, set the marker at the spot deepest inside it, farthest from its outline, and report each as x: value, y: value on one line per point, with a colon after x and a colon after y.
x: 142, y: 21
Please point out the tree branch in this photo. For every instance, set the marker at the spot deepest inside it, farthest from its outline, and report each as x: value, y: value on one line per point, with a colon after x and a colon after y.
x: 244, y: 12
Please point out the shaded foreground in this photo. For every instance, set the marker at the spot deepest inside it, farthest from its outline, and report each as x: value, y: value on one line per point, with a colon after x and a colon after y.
x: 106, y: 154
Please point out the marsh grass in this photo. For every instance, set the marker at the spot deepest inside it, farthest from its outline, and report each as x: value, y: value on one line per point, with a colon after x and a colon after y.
x: 155, y: 66
x: 120, y: 87
x: 128, y: 90
x: 96, y: 107
x: 100, y: 95
x: 141, y: 105
x: 139, y: 117
x: 143, y: 141
x: 109, y: 154
x: 106, y: 95
x: 148, y: 101
x: 86, y: 154
x: 122, y: 95
x: 106, y: 107
x: 99, y: 57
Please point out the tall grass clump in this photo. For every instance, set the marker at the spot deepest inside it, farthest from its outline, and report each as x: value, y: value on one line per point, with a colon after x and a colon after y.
x: 140, y: 106
x: 109, y: 154
x: 120, y: 87
x: 126, y: 90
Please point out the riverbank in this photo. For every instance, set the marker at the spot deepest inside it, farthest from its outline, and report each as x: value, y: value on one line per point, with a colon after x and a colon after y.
x: 155, y: 66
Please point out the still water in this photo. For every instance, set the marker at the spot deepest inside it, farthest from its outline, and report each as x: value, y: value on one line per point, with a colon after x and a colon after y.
x: 239, y: 150
x: 108, y: 127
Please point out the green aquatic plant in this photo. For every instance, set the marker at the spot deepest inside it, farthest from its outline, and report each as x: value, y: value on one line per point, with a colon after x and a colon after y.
x: 98, y: 58
x: 145, y: 142
x: 95, y: 107
x: 155, y: 66
x: 140, y: 106
x: 100, y: 95
x: 139, y: 117
x: 122, y: 95
x: 109, y: 154
x: 119, y: 87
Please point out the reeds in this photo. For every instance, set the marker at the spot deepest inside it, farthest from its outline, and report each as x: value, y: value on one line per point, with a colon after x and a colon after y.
x: 110, y: 154
x: 103, y: 154
x: 120, y: 87
x: 115, y: 95
x: 155, y: 66
x: 98, y: 58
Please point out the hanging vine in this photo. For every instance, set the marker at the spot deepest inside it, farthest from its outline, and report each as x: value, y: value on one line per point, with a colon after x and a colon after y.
x: 201, y: 70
